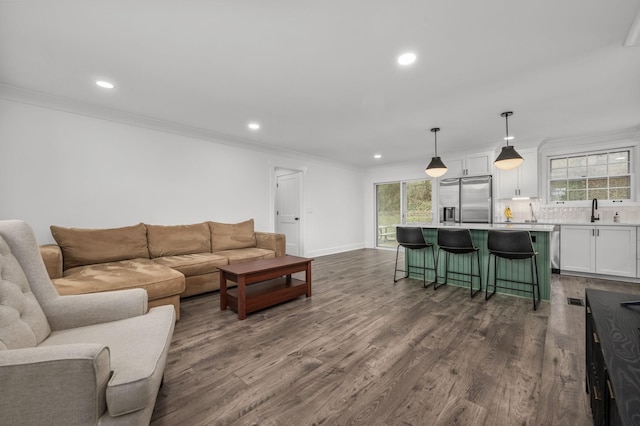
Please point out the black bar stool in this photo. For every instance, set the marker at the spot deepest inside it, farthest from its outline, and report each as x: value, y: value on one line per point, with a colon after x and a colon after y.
x: 512, y: 245
x: 411, y: 238
x: 458, y: 241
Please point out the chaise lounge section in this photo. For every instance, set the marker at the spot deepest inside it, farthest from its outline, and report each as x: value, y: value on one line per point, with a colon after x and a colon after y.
x: 169, y: 262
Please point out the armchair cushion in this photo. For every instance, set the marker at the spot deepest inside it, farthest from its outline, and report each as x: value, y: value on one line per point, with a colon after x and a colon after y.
x: 138, y: 347
x: 90, y: 246
x: 229, y: 236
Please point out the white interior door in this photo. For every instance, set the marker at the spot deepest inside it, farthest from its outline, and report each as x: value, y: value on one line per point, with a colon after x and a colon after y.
x: 288, y: 210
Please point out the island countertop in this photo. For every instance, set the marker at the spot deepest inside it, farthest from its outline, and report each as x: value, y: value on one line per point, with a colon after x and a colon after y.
x: 484, y: 226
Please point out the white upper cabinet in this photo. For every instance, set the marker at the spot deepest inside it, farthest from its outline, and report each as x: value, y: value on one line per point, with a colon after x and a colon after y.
x: 469, y: 165
x: 521, y: 181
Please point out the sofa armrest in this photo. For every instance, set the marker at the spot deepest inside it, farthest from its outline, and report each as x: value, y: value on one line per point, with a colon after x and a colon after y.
x: 63, y: 384
x: 272, y: 241
x: 95, y: 308
x: 52, y: 256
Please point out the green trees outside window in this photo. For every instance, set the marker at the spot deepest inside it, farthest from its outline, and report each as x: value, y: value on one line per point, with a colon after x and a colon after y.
x: 400, y: 203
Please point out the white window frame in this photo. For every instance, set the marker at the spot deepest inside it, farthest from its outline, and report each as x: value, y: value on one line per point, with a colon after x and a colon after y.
x: 587, y: 154
x: 593, y: 145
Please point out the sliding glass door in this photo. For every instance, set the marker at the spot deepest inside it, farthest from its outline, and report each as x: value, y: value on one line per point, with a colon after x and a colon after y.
x: 399, y: 203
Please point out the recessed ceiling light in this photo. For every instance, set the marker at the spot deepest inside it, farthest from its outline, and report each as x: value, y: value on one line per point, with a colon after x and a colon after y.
x: 105, y: 84
x: 254, y: 126
x: 407, y: 58
x: 377, y: 156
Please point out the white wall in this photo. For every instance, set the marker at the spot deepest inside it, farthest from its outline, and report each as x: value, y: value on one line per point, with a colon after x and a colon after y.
x: 74, y: 170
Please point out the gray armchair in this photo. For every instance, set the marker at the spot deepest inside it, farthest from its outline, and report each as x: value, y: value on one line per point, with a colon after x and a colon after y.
x: 74, y: 360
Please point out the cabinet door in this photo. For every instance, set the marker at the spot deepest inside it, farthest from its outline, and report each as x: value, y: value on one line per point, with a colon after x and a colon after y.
x: 507, y: 183
x: 479, y: 164
x: 528, y: 174
x: 521, y: 181
x: 616, y: 250
x: 577, y: 248
x: 455, y: 167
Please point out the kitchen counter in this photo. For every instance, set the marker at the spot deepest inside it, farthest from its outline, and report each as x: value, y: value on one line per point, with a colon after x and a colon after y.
x: 538, y: 227
x: 611, y: 223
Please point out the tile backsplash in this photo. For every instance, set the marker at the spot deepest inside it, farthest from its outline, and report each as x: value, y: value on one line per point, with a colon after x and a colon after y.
x: 552, y: 214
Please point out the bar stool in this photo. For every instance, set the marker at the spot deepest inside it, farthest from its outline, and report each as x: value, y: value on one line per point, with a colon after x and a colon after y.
x: 458, y: 241
x: 512, y: 245
x: 411, y: 238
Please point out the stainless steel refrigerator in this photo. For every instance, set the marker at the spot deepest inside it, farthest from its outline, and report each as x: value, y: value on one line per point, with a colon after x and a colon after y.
x: 467, y: 199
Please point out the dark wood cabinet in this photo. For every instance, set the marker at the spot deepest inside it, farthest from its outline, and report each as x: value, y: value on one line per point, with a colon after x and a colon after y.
x: 613, y: 357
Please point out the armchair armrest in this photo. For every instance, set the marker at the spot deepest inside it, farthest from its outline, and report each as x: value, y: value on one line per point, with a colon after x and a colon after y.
x: 52, y: 256
x: 79, y: 310
x: 272, y: 241
x: 65, y: 384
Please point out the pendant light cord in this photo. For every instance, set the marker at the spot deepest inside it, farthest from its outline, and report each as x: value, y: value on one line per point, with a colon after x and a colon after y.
x: 435, y: 134
x: 506, y: 121
x: 435, y: 131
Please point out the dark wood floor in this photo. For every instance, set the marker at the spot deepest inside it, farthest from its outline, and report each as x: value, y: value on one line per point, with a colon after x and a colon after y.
x: 365, y: 351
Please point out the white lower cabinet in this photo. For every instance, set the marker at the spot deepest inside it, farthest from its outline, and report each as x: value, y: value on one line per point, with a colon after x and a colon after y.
x: 607, y: 250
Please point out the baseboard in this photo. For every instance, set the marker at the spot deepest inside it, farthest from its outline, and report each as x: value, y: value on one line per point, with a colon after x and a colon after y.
x: 335, y: 250
x: 602, y: 277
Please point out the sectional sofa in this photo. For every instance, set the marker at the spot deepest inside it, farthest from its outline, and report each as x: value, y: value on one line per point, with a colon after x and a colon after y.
x: 169, y: 262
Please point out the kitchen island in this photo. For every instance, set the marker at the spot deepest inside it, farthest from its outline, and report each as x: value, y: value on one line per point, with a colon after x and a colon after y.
x: 516, y: 270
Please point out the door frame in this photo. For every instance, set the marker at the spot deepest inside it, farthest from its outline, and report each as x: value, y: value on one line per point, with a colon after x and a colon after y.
x: 301, y: 171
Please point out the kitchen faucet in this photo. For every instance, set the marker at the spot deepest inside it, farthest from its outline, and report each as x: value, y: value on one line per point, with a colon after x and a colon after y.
x: 594, y: 209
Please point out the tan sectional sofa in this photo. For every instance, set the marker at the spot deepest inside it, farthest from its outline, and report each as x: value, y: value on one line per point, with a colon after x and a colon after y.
x: 169, y: 262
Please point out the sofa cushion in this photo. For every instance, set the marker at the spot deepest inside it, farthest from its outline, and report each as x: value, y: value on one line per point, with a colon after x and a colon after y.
x: 229, y: 236
x: 178, y: 239
x: 90, y: 246
x: 158, y: 280
x: 138, y: 347
x: 22, y: 321
x: 193, y: 264
x: 246, y: 254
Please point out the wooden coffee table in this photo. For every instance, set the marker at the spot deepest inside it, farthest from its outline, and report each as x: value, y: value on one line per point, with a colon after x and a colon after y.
x: 263, y: 283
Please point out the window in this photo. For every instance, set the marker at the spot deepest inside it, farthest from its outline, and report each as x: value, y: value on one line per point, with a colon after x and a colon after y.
x: 400, y: 202
x: 601, y: 175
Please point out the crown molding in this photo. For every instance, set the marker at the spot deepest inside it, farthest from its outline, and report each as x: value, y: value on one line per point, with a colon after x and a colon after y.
x: 631, y: 135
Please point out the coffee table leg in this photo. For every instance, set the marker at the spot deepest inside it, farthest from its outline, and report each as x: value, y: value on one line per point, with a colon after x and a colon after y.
x: 242, y: 297
x: 223, y: 291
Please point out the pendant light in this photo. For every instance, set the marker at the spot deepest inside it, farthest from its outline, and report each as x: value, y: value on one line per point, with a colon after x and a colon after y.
x: 436, y: 167
x: 508, y: 158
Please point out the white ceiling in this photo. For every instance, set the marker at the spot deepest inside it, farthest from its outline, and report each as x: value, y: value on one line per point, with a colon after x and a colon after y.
x: 321, y: 77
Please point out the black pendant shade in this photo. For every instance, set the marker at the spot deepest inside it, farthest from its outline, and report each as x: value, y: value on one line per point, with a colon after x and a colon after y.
x: 436, y: 167
x: 508, y: 158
